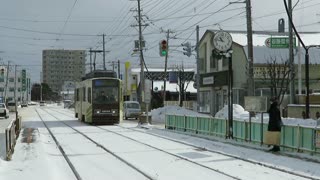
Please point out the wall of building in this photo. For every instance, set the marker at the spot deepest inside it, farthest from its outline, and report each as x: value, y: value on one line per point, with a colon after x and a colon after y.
x: 59, y: 66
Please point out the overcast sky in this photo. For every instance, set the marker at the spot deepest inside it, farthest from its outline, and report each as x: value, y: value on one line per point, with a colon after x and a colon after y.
x: 28, y: 27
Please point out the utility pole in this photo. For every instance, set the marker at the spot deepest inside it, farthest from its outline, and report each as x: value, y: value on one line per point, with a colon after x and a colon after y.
x: 104, y: 53
x: 118, y: 69
x: 291, y: 58
x: 6, y: 86
x: 15, y: 90
x: 90, y: 59
x: 198, y: 69
x: 40, y: 91
x: 165, y: 69
x: 113, y: 66
x: 141, y: 54
x: 250, y: 49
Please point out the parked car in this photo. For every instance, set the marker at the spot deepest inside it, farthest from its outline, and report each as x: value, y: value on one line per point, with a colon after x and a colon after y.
x: 131, y: 109
x: 4, y: 111
x: 42, y: 103
x: 12, y: 106
x: 24, y: 104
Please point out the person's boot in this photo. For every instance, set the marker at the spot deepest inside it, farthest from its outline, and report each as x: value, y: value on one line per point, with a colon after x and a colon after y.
x: 275, y: 149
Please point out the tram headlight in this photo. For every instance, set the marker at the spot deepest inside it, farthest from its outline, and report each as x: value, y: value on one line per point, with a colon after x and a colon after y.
x: 97, y: 111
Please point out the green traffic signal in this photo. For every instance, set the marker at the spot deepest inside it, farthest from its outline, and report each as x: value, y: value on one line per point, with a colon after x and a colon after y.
x: 163, y: 52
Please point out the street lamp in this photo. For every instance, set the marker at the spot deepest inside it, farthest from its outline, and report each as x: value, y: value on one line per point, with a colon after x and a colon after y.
x: 307, y: 78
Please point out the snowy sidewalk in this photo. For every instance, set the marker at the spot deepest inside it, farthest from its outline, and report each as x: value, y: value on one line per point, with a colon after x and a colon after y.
x: 40, y: 159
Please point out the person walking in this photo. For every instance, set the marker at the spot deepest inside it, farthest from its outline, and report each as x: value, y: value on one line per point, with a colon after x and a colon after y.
x: 275, y: 123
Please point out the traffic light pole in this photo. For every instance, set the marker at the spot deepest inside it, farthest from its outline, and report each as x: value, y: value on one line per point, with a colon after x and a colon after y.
x: 198, y: 69
x: 165, y: 69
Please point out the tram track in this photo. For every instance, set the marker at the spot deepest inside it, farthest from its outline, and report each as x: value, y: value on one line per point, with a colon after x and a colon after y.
x: 158, y: 149
x: 76, y: 173
x: 197, y: 147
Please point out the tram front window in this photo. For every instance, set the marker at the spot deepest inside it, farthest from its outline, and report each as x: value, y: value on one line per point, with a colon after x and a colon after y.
x: 105, y: 95
x: 105, y: 92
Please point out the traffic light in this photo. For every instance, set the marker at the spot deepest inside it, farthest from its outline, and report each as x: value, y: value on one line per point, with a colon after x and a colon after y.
x: 187, y: 49
x: 163, y: 48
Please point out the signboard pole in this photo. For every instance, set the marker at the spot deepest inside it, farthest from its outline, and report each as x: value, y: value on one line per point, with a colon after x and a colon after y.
x: 261, y: 129
x: 230, y: 99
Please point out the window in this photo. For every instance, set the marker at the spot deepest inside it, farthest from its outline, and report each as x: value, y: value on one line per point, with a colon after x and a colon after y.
x: 19, y: 89
x: 225, y: 62
x: 204, y: 103
x: 11, y: 89
x: 212, y: 62
x: 77, y: 95
x: 2, y: 79
x: 11, y: 79
x: 84, y: 93
x: 89, y: 95
x: 1, y: 89
x: 19, y: 79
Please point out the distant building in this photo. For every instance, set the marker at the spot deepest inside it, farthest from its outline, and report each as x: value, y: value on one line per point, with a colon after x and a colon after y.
x: 156, y: 76
x: 8, y: 85
x: 59, y: 66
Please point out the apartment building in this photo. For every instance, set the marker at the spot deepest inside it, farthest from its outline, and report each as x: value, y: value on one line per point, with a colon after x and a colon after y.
x: 14, y: 84
x: 59, y: 66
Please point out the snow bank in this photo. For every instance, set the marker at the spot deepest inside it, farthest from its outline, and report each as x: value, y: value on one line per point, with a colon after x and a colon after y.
x: 158, y: 115
x: 242, y: 115
x: 238, y: 112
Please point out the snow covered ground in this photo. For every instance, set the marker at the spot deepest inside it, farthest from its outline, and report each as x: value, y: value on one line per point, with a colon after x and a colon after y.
x: 42, y: 159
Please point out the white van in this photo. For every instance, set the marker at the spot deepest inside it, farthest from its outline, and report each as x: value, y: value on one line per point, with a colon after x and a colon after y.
x: 131, y: 109
x: 12, y: 106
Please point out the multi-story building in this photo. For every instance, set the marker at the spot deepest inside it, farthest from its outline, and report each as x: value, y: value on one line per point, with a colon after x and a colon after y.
x: 14, y: 84
x: 59, y: 66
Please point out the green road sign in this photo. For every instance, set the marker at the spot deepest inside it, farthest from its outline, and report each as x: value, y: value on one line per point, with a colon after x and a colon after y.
x: 24, y: 80
x: 279, y: 42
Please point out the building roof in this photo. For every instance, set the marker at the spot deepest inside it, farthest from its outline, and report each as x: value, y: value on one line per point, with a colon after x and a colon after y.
x: 212, y: 32
x: 261, y: 54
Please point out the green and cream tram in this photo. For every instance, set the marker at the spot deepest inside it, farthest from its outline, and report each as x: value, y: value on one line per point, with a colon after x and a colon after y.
x: 98, y: 100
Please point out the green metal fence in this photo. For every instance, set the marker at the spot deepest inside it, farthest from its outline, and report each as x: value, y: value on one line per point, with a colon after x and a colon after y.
x: 296, y: 138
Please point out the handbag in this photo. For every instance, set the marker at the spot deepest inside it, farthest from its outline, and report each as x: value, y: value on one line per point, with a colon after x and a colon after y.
x: 272, y: 137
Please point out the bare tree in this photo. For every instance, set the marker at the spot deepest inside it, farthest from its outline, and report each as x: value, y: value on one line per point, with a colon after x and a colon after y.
x: 276, y: 74
x: 183, y: 83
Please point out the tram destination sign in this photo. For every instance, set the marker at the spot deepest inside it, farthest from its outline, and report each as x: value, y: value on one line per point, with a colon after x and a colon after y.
x: 279, y: 42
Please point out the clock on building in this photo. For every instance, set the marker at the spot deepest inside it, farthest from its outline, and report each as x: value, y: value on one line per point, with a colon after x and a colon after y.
x: 222, y: 41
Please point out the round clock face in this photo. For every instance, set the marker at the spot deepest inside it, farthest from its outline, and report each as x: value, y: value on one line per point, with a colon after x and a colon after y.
x: 222, y: 41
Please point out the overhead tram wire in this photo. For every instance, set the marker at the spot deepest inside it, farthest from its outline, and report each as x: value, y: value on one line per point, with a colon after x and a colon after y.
x: 227, y: 19
x: 167, y: 9
x: 201, y: 11
x: 69, y: 15
x: 125, y: 11
x: 177, y: 10
x: 186, y: 16
x: 192, y: 26
x: 283, y: 12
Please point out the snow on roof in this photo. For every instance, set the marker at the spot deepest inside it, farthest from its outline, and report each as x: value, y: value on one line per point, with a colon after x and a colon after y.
x: 160, y: 70
x: 173, y: 87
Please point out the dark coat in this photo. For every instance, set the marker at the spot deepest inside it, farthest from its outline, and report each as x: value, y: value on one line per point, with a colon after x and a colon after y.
x: 274, y: 118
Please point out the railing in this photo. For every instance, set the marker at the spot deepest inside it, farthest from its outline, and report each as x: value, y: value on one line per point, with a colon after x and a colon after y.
x: 12, y: 133
x: 293, y: 138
